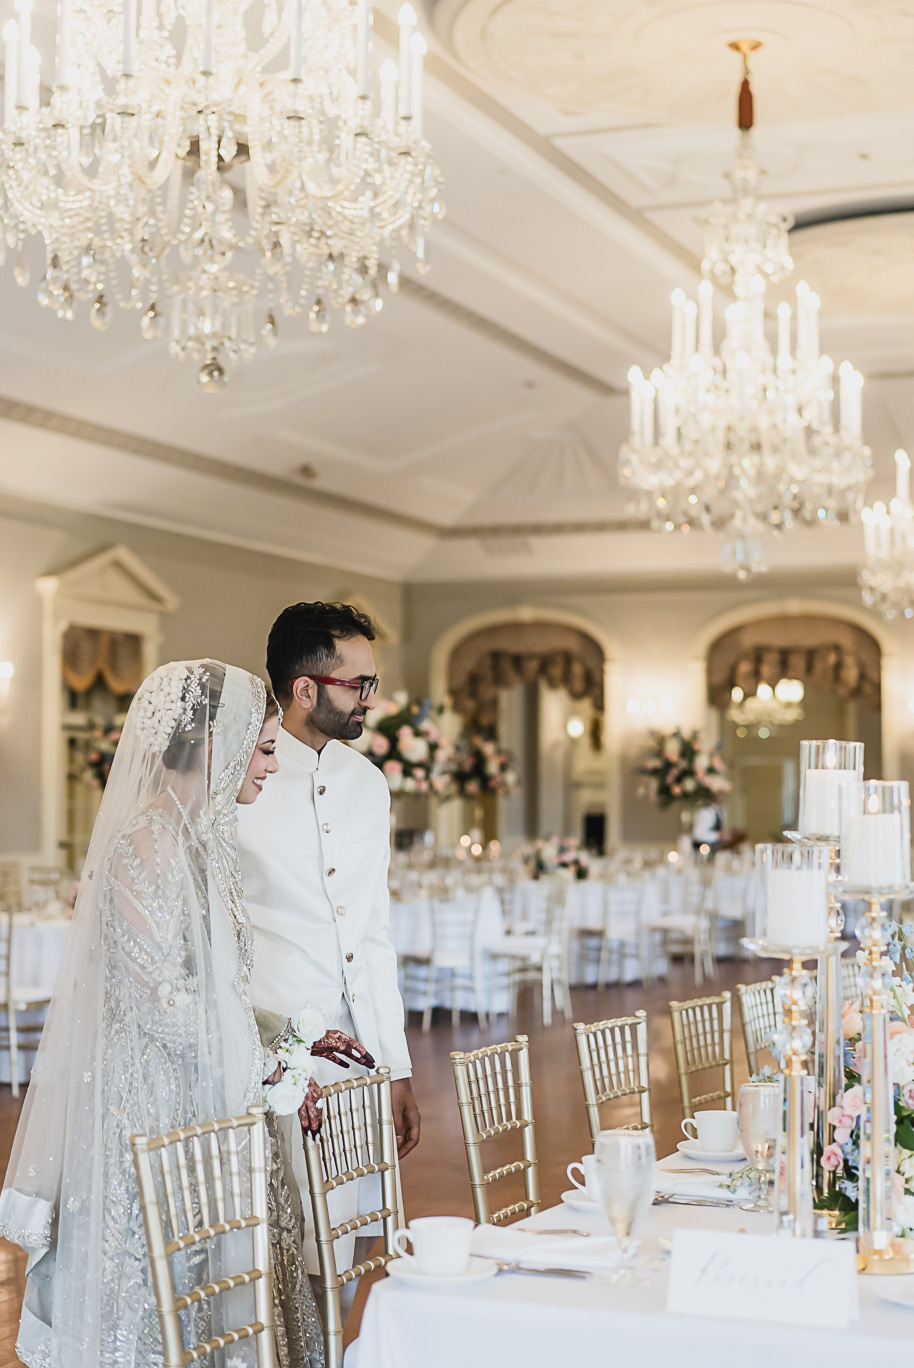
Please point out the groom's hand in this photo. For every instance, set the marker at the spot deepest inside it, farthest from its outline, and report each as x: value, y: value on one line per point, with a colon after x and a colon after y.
x: 406, y: 1116
x: 335, y: 1044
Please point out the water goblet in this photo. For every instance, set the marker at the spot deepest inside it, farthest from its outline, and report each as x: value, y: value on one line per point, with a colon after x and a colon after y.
x: 625, y: 1174
x: 758, y: 1119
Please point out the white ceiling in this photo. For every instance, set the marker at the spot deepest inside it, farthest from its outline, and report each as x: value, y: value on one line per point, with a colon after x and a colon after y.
x: 580, y: 145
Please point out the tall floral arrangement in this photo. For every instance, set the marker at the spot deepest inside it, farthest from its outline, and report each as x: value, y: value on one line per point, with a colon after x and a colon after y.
x: 557, y: 855
x: 99, y: 758
x: 842, y: 1156
x: 482, y: 766
x: 402, y: 738
x: 679, y: 769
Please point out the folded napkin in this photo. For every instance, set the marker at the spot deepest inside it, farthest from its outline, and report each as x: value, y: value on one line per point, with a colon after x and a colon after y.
x: 593, y: 1254
x: 698, y: 1185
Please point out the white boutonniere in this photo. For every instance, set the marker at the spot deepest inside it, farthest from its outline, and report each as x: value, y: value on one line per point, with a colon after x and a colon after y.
x: 294, y: 1054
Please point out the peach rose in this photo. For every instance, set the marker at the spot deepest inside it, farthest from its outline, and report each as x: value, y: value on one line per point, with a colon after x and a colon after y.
x: 851, y: 1020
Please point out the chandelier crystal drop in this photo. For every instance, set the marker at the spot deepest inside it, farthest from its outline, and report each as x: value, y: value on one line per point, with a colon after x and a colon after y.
x: 740, y: 438
x: 887, y: 578
x: 216, y: 167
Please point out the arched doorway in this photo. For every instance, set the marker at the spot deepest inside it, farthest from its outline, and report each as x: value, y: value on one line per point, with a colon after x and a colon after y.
x: 833, y: 673
x: 539, y: 684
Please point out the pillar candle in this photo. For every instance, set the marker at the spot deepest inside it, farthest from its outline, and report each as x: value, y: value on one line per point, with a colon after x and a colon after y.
x: 820, y: 801
x: 797, y: 907
x: 872, y: 850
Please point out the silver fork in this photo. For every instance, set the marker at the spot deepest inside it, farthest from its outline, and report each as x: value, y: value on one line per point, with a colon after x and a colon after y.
x: 543, y: 1272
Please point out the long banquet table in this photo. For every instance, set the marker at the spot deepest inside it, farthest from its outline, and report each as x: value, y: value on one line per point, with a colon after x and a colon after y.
x: 543, y: 1322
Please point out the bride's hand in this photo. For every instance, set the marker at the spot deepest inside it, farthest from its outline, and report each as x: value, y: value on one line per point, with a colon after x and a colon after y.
x: 310, y: 1113
x: 334, y: 1044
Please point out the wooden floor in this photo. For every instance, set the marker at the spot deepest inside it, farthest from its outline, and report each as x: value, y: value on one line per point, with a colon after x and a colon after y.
x: 435, y: 1175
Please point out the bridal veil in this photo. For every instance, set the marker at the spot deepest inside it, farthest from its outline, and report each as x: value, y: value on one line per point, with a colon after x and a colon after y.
x: 149, y: 1026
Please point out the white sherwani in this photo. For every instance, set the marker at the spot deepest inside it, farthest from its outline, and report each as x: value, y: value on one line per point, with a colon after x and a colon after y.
x: 315, y: 850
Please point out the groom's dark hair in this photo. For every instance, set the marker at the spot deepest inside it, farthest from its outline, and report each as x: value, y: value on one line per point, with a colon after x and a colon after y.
x: 303, y: 641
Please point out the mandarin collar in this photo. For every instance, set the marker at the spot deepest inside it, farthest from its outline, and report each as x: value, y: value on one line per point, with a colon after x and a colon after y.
x: 290, y: 748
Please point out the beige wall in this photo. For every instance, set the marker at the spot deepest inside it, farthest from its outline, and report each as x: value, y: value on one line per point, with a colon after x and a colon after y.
x: 229, y: 597
x: 657, y: 639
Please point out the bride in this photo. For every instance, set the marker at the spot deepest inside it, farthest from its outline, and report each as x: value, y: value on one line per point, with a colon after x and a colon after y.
x: 149, y: 1028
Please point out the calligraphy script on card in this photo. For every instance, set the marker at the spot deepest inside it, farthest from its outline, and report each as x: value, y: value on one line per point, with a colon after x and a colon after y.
x: 763, y: 1277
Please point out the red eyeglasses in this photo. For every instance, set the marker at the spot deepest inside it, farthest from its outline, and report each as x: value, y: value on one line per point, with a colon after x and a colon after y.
x: 366, y: 687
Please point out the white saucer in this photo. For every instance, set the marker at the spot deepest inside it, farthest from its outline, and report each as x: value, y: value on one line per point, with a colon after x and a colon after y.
x: 578, y: 1202
x: 694, y: 1151
x: 897, y: 1289
x: 478, y: 1271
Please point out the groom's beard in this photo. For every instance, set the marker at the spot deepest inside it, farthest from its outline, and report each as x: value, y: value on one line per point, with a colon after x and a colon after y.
x: 335, y: 723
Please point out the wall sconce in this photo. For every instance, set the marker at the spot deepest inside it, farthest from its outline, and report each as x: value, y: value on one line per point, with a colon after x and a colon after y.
x: 6, y: 674
x: 575, y: 727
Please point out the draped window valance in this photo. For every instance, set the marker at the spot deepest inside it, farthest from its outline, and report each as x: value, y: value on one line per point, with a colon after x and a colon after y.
x: 116, y: 657
x: 823, y: 652
x: 500, y: 657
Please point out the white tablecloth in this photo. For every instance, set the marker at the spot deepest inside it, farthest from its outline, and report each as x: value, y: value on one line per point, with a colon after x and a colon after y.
x: 38, y: 947
x: 544, y: 1322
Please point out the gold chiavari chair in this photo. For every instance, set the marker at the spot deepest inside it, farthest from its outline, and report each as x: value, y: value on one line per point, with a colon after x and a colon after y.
x: 17, y: 1036
x: 703, y: 1040
x: 199, y: 1170
x: 614, y: 1064
x: 758, y: 1012
x: 850, y: 989
x: 495, y: 1097
x: 357, y: 1138
x: 10, y: 886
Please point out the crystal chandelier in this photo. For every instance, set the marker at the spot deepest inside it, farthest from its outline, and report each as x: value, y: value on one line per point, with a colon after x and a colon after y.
x: 743, y: 440
x: 215, y: 166
x: 768, y: 707
x: 887, y: 578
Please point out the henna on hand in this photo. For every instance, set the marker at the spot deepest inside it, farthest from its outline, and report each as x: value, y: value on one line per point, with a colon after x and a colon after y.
x: 335, y: 1044
x: 311, y: 1111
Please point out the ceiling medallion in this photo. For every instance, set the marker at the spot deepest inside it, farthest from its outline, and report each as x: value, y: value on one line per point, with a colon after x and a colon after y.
x: 216, y: 166
x: 745, y: 440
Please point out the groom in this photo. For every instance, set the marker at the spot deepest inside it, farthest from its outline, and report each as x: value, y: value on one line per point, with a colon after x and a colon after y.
x: 315, y: 849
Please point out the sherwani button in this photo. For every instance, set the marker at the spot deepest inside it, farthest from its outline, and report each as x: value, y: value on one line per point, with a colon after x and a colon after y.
x: 325, y: 828
x: 349, y: 957
x: 341, y: 911
x: 322, y: 789
x: 330, y: 873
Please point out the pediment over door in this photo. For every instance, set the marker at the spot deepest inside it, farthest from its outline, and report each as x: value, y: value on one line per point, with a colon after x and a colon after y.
x: 115, y: 577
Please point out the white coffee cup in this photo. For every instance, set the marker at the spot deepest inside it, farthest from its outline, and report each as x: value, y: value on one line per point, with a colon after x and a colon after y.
x: 714, y: 1130
x: 441, y: 1245
x: 588, y: 1170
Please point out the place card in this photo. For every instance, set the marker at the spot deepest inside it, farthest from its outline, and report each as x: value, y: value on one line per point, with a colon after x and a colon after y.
x: 763, y: 1277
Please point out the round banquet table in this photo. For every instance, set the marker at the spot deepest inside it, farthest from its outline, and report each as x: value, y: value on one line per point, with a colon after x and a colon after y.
x: 38, y: 947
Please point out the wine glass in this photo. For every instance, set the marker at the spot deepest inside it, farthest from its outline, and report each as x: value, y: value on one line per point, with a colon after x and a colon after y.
x: 625, y: 1173
x: 758, y: 1117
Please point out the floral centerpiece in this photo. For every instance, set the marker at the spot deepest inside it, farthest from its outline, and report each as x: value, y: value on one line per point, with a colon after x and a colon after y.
x: 402, y: 738
x: 557, y: 855
x: 679, y: 769
x: 482, y: 766
x: 842, y: 1156
x: 100, y: 757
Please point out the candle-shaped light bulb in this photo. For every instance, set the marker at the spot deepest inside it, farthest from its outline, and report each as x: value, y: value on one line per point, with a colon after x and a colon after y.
x: 10, y: 69
x: 64, y: 25
x: 677, y: 300
x: 407, y: 22
x: 814, y: 305
x: 868, y: 518
x: 784, y: 315
x: 647, y: 415
x: 706, y: 319
x: 24, y: 10
x: 903, y: 476
x: 419, y: 48
x: 690, y: 315
x: 389, y: 95
x: 129, y: 36
x: 209, y: 27
x: 33, y: 87
x: 635, y: 386
x: 363, y: 49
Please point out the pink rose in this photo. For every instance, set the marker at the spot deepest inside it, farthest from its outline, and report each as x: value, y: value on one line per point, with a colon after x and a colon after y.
x: 897, y: 1028
x: 839, y: 1117
x: 392, y: 767
x: 907, y: 1095
x: 419, y: 772
x: 851, y: 1020
x: 852, y: 1101
x: 379, y: 744
x: 858, y: 1057
x: 832, y: 1158
x: 898, y: 1186
x: 405, y: 735
x: 842, y: 1134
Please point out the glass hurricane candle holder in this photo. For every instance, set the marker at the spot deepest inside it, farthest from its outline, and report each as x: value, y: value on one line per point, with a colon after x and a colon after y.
x: 876, y: 864
x: 825, y: 767
x: 791, y: 899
